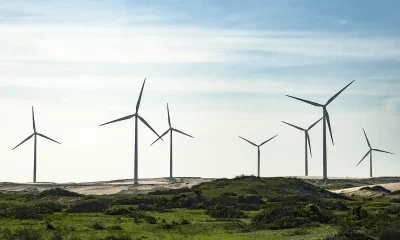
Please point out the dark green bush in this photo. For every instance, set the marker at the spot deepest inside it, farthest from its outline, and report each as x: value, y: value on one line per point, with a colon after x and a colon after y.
x: 170, y: 191
x: 393, y: 209
x: 50, y: 207
x: 25, y: 212
x: 395, y: 200
x: 357, y: 213
x: 58, y: 192
x: 397, y: 192
x: 97, y: 226
x: 150, y: 220
x: 22, y: 234
x: 119, y: 210
x: 390, y: 234
x: 115, y: 227
x: 131, y: 200
x: 88, y: 206
x: 221, y: 211
x: 251, y: 199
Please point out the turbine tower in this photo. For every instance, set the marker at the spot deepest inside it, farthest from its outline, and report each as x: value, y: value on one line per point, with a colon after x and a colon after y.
x: 136, y: 115
x: 370, y: 154
x: 34, y: 134
x: 325, y: 119
x: 307, y: 139
x: 170, y: 129
x: 258, y: 148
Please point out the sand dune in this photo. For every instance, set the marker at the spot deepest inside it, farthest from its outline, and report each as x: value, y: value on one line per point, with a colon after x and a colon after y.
x: 124, y: 186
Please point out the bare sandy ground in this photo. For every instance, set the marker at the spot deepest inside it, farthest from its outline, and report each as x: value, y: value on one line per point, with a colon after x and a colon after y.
x: 351, y: 186
x: 355, y: 191
x: 124, y: 186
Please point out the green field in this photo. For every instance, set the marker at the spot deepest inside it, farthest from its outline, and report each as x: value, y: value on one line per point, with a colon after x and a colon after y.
x: 240, y: 208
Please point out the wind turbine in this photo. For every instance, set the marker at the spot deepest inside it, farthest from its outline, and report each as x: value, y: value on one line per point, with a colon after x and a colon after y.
x: 258, y: 148
x: 325, y: 117
x: 307, y: 139
x: 136, y: 115
x: 34, y: 134
x: 370, y: 154
x: 170, y: 148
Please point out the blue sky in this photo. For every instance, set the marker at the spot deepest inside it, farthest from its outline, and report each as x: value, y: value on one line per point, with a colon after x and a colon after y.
x: 224, y: 66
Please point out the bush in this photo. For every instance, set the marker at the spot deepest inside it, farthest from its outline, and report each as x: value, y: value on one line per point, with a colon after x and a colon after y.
x: 57, y: 236
x: 357, y: 213
x: 25, y: 212
x: 395, y: 200
x: 390, y: 234
x: 117, y: 237
x: 58, y: 192
x: 251, y: 200
x: 50, y: 207
x: 89, y: 206
x: 22, y: 234
x: 115, y: 227
x: 50, y: 226
x: 98, y: 226
x: 397, y: 192
x: 150, y: 219
x: 393, y: 209
x: 221, y: 211
x: 119, y: 210
x: 170, y: 191
x: 129, y: 200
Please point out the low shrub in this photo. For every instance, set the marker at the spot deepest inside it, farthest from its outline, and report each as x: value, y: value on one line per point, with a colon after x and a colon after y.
x: 393, y: 209
x: 397, y: 192
x: 50, y: 207
x: 390, y: 234
x: 119, y: 210
x: 115, y: 227
x: 150, y: 219
x: 58, y: 192
x: 395, y: 200
x: 97, y: 226
x: 221, y: 211
x: 22, y: 234
x: 89, y: 206
x: 170, y: 191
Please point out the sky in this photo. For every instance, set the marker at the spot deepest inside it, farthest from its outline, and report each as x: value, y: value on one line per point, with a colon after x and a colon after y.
x: 224, y: 67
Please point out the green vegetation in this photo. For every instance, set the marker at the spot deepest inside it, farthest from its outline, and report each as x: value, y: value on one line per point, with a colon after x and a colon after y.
x: 246, y: 207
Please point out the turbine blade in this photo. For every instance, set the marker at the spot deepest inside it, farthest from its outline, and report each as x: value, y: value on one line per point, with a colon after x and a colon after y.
x: 337, y: 94
x: 160, y: 136
x: 382, y: 151
x: 169, y: 120
x: 176, y: 130
x: 119, y: 119
x: 140, y: 96
x: 248, y: 141
x: 148, y: 125
x: 306, y: 101
x: 24, y: 141
x: 329, y: 125
x: 33, y: 120
x: 363, y: 157
x: 48, y: 138
x: 314, y: 124
x: 294, y: 126
x: 309, y: 143
x: 267, y: 140
x: 367, y: 139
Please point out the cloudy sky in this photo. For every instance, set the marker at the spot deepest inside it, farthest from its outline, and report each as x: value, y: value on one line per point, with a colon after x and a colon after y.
x: 224, y: 67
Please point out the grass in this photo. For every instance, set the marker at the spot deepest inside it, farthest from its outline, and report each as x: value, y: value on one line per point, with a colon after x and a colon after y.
x: 179, y: 215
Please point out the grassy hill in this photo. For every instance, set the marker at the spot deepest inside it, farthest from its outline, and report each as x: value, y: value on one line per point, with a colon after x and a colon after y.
x: 242, y: 208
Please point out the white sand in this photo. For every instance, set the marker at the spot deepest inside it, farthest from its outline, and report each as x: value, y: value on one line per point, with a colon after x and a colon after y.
x: 125, y: 186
